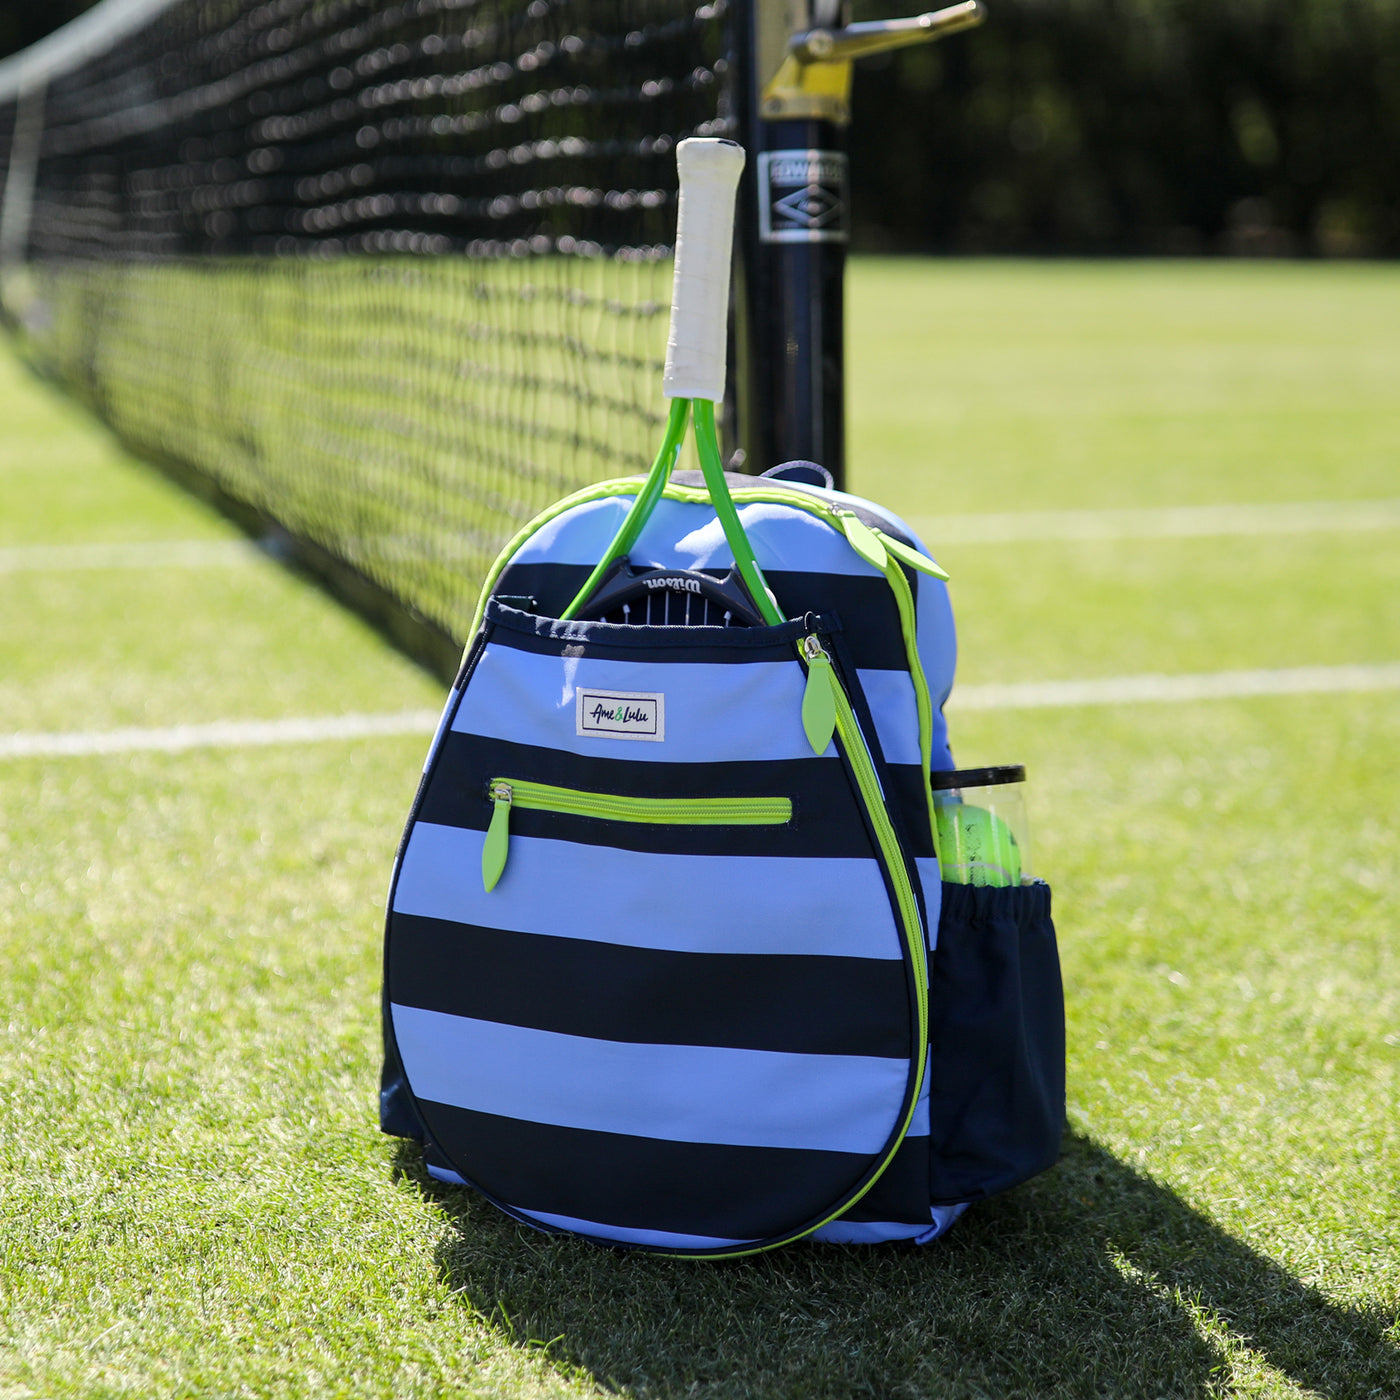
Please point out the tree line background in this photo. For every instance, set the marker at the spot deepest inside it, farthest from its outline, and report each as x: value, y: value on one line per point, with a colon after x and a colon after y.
x: 1137, y: 126
x: 1112, y: 126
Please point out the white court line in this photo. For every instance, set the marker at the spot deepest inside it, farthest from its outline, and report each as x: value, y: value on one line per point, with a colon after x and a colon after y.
x: 221, y: 734
x: 1214, y: 685
x: 1166, y: 522
x: 1163, y: 522
x: 1106, y: 690
x: 152, y: 554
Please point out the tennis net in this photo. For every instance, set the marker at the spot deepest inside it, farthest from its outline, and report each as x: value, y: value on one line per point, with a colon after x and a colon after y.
x: 382, y: 280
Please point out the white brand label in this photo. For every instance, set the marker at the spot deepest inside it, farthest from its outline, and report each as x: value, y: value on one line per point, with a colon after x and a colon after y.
x: 621, y: 714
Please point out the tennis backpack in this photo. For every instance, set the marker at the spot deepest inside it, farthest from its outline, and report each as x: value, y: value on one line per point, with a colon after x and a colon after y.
x: 668, y: 963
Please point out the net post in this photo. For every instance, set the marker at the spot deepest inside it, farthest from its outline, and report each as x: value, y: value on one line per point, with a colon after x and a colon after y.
x: 789, y: 381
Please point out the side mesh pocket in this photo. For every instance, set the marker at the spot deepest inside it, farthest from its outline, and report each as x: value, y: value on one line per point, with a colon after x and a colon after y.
x: 996, y: 1040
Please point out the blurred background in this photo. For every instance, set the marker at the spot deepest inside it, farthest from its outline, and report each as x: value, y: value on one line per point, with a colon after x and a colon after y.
x: 1180, y: 127
x: 1138, y: 126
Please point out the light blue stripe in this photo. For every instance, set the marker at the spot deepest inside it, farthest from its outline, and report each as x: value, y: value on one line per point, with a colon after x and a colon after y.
x: 890, y: 695
x: 746, y: 712
x: 783, y: 537
x: 937, y: 636
x: 938, y: 653
x: 919, y: 1123
x: 687, y: 904
x: 944, y: 1218
x: 878, y: 1232
x: 927, y: 869
x: 675, y: 1093
x: 580, y: 536
x: 866, y: 1232
x: 445, y: 1175
x: 661, y: 1238
x: 684, y: 536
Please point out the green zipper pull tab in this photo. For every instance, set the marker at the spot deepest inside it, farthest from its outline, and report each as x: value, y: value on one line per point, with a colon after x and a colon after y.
x: 493, y: 853
x: 864, y: 541
x: 912, y: 557
x: 818, y: 699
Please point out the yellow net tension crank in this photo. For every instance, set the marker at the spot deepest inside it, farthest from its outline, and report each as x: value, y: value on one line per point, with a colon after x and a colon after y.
x: 813, y: 77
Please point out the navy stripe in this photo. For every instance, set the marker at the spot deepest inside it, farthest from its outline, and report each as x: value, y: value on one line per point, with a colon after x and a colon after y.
x: 552, y: 587
x: 548, y: 636
x: 904, y: 792
x: 643, y: 1183
x: 825, y: 824
x: 797, y: 1004
x: 864, y: 604
x: 901, y: 1193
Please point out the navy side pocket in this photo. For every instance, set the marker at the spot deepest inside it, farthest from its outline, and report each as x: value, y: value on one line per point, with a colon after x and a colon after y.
x: 996, y: 1041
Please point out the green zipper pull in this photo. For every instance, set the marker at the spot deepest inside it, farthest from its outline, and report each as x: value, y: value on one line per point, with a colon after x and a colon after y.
x: 864, y: 541
x: 818, y: 699
x: 912, y: 557
x: 493, y: 853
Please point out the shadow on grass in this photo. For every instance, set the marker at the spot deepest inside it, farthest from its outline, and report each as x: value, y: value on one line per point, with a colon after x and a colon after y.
x: 1081, y: 1283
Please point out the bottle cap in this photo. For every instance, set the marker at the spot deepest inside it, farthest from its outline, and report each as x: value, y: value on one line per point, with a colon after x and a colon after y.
x: 978, y: 777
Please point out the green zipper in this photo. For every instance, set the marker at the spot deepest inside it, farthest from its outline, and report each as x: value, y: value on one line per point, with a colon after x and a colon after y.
x: 506, y: 793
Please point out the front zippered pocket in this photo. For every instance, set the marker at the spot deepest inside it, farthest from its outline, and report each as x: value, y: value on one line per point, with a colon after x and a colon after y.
x: 505, y: 793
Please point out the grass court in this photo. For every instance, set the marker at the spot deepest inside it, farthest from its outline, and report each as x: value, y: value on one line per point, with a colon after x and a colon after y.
x: 194, y: 1196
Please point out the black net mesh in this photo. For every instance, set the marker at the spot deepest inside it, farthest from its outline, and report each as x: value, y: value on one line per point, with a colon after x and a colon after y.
x: 393, y: 277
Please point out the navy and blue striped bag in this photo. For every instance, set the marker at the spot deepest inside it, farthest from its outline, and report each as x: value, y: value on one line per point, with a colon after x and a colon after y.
x: 669, y: 963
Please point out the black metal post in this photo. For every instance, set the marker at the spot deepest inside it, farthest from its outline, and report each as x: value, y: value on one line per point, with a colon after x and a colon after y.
x: 789, y: 372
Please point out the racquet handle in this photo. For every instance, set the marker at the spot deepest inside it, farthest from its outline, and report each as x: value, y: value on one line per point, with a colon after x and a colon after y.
x: 695, y: 353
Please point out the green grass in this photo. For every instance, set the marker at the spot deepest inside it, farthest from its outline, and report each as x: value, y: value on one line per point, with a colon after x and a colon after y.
x: 994, y: 386
x: 194, y: 1199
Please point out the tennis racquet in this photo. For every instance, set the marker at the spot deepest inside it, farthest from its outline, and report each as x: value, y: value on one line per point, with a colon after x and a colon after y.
x: 694, y: 382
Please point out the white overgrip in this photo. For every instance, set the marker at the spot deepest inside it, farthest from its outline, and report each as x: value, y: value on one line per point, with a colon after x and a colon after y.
x: 695, y: 353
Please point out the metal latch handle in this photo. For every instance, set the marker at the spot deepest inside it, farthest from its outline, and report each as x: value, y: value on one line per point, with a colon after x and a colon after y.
x: 879, y: 36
